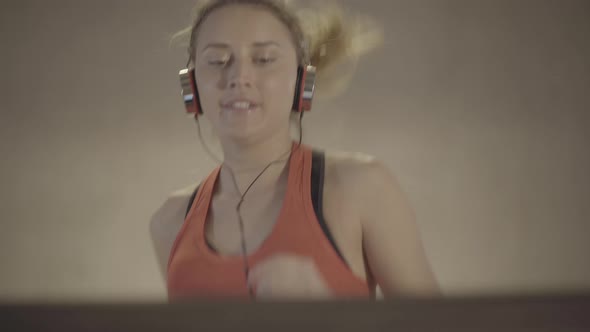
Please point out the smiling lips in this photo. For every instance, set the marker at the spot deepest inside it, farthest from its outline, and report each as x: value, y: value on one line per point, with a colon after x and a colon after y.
x: 238, y: 105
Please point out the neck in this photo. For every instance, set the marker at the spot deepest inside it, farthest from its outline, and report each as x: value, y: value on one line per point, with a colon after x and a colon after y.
x: 243, y: 162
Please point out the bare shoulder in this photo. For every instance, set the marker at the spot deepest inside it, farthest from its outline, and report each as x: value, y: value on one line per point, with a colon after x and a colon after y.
x: 166, y: 222
x: 391, y: 236
x: 365, y: 183
x: 349, y: 158
x: 360, y: 171
x: 174, y: 206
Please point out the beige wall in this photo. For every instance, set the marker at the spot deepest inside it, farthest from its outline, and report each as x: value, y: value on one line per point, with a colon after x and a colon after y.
x: 481, y: 108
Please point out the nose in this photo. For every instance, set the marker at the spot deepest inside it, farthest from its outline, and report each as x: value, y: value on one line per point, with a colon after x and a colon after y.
x: 240, y: 75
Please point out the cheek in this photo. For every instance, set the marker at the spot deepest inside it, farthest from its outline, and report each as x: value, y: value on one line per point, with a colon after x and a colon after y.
x: 209, y: 92
x: 207, y: 84
x: 279, y: 91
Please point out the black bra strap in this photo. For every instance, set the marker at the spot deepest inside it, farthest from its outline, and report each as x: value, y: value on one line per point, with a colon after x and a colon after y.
x: 190, y: 203
x: 317, y: 193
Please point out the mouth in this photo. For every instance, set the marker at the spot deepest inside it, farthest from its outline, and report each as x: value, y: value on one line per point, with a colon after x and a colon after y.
x: 239, y: 105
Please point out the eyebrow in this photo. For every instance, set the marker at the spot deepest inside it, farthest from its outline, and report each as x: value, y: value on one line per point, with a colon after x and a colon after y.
x: 255, y: 44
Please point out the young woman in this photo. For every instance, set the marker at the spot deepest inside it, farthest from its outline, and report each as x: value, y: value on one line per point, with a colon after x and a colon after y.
x: 279, y: 219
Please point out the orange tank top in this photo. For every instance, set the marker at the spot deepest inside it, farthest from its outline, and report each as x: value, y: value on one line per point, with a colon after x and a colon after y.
x: 195, y: 270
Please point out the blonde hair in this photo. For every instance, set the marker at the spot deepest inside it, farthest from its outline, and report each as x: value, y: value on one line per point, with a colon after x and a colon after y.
x: 324, y: 36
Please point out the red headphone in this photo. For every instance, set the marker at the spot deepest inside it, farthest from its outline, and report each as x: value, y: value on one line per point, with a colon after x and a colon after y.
x: 304, y: 90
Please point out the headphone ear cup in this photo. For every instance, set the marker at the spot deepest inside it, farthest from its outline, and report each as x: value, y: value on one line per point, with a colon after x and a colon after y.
x: 190, y: 93
x: 304, y: 89
x: 298, y: 89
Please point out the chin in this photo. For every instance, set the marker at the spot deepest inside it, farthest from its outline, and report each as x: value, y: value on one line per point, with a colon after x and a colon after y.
x: 243, y: 134
x: 250, y: 128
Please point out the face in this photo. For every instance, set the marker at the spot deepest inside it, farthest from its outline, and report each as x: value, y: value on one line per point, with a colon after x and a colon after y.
x: 246, y: 72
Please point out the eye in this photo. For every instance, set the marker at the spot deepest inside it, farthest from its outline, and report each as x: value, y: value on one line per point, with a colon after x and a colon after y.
x: 217, y: 63
x: 264, y: 60
x: 219, y: 60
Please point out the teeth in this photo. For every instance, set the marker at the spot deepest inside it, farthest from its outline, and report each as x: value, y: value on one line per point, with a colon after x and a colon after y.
x: 241, y: 104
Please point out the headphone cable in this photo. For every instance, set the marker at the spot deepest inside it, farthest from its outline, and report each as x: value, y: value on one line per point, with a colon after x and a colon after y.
x: 239, y: 205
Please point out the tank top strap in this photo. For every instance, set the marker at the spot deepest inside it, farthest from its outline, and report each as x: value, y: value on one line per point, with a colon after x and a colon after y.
x: 202, y: 195
x: 204, y: 190
x: 299, y: 186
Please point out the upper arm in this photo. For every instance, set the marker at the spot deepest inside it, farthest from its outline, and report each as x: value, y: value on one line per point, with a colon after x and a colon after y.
x: 391, y: 237
x: 165, y: 224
